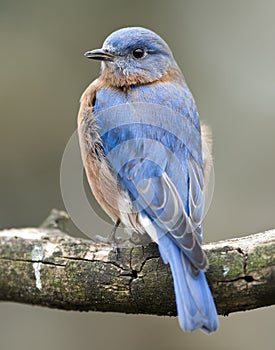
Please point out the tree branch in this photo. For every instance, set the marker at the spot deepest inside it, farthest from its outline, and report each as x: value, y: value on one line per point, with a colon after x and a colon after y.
x: 45, y: 266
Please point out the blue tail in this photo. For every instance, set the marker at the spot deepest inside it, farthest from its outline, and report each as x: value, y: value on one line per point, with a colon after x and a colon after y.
x: 195, y: 304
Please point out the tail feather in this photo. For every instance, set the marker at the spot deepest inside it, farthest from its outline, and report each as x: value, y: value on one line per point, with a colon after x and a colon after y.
x: 195, y: 304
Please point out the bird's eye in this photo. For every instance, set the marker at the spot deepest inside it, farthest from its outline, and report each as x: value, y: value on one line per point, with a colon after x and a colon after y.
x: 138, y: 53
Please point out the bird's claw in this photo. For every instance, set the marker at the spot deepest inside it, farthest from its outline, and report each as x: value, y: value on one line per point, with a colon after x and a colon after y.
x: 112, y: 239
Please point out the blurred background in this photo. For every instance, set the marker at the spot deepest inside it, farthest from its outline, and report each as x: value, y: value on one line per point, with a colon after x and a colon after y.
x: 226, y: 50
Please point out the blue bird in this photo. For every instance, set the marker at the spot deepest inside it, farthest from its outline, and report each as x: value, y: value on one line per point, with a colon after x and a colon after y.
x: 148, y: 160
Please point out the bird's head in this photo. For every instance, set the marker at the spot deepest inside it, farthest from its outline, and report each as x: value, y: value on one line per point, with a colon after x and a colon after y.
x: 133, y: 56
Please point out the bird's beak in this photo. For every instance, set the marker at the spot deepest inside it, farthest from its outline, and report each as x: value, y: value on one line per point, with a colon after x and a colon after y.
x: 99, y: 54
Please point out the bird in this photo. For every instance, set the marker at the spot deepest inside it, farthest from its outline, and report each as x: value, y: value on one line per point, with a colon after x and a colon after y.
x: 148, y: 160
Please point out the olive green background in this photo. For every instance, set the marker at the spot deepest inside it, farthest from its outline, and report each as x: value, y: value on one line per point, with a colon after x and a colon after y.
x: 226, y: 50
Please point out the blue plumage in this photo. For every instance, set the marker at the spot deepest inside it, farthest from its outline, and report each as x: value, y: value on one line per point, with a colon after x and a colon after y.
x: 195, y: 304
x: 145, y: 121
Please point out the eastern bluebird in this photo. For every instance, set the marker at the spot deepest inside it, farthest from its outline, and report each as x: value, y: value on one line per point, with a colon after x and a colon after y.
x: 147, y: 159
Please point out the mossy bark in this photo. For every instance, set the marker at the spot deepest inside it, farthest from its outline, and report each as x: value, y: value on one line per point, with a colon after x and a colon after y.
x: 44, y: 266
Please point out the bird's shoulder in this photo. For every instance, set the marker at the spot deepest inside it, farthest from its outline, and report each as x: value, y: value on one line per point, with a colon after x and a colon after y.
x: 173, y: 95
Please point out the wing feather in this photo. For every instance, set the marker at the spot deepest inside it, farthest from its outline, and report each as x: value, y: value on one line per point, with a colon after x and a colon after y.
x: 158, y: 159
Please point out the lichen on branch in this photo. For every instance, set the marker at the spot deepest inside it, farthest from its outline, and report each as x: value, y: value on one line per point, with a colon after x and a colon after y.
x: 45, y: 266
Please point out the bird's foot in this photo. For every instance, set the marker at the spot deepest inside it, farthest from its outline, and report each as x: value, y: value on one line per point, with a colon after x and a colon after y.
x: 112, y: 239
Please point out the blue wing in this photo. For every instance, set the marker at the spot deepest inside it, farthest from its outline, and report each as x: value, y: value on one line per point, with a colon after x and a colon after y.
x: 156, y: 154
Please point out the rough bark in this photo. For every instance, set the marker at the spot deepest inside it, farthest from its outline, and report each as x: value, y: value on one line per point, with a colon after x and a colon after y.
x: 45, y: 266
